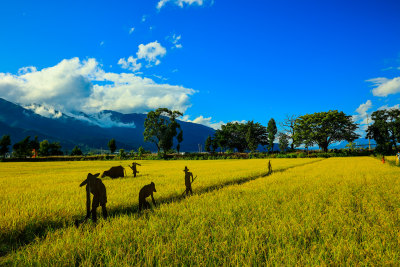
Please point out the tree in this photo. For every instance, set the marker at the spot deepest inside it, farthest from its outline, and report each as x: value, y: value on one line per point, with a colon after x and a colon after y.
x: 283, y: 141
x: 271, y: 130
x: 161, y: 127
x: 4, y: 143
x: 141, y: 151
x: 233, y: 136
x: 385, y: 129
x: 324, y: 128
x: 23, y: 148
x: 208, y: 143
x: 112, y: 146
x: 256, y: 134
x: 288, y: 126
x: 49, y: 149
x: 76, y: 151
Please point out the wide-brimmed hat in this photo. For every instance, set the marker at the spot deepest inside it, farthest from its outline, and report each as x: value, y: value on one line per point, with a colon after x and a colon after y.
x: 186, y: 169
x: 93, y: 175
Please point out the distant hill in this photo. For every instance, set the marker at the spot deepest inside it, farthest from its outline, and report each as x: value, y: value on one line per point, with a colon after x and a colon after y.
x: 89, y: 131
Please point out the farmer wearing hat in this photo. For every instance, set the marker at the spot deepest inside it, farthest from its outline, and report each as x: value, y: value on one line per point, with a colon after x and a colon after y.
x: 187, y: 181
x: 95, y: 186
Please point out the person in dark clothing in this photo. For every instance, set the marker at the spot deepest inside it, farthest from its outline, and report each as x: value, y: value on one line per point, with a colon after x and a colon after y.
x: 188, y: 183
x: 95, y: 186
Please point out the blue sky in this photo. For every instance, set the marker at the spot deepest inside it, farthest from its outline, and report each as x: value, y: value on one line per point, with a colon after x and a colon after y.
x: 216, y: 60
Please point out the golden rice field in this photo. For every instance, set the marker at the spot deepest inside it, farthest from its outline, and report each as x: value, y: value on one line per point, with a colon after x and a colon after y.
x: 308, y: 212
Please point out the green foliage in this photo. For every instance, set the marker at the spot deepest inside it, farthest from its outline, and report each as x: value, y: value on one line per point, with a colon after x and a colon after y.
x: 324, y: 128
x: 283, y: 141
x: 112, y: 145
x: 385, y: 130
x: 256, y: 134
x: 4, y: 143
x: 50, y: 149
x: 161, y: 127
x: 271, y: 130
x: 76, y: 151
x: 240, y: 136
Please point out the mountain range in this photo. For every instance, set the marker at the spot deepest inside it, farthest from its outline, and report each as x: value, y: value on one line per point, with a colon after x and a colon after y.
x: 88, y: 131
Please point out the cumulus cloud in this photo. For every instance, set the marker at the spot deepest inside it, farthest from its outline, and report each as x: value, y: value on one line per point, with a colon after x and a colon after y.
x: 179, y: 3
x: 83, y: 85
x: 130, y: 64
x: 131, y: 30
x: 385, y: 86
x: 151, y: 52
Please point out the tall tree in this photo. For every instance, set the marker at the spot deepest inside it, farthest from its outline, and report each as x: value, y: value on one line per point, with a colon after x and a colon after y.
x: 325, y: 128
x: 385, y: 129
x: 271, y: 130
x: 5, y: 142
x: 288, y: 126
x: 161, y: 127
x: 283, y: 141
x: 208, y: 144
x: 112, y: 145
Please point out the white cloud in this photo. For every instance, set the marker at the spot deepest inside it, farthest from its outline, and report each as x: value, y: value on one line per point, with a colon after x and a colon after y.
x: 204, y: 121
x: 390, y: 108
x: 180, y: 3
x: 83, y: 85
x: 130, y: 64
x: 385, y: 86
x: 362, y: 114
x: 102, y: 119
x: 175, y: 40
x: 151, y: 52
x: 48, y: 112
x: 101, y: 43
x: 144, y: 18
x: 131, y: 30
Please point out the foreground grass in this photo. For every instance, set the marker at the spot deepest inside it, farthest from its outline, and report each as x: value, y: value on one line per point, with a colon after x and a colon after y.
x: 38, y: 198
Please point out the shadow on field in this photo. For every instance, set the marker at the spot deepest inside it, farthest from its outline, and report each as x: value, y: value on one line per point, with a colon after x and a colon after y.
x: 16, y: 239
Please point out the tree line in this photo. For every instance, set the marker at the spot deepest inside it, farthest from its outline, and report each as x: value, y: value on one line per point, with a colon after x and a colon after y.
x: 320, y: 128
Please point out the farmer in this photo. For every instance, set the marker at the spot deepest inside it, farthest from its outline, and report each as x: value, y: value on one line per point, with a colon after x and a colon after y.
x: 95, y: 186
x: 397, y: 158
x: 383, y: 159
x: 187, y: 181
x: 133, y: 167
x: 269, y: 167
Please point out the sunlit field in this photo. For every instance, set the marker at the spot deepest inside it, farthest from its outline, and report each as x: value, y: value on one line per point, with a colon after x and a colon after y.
x: 309, y: 211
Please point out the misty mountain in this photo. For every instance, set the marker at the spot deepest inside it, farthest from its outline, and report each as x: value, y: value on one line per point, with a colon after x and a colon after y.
x: 89, y: 131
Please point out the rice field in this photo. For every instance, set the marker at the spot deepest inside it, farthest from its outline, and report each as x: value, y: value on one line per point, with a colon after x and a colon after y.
x: 308, y: 212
